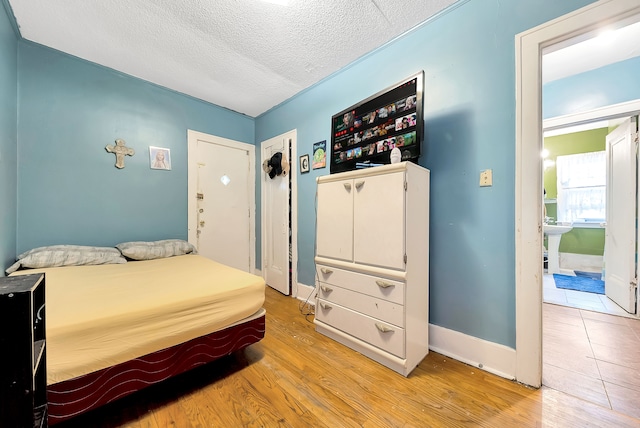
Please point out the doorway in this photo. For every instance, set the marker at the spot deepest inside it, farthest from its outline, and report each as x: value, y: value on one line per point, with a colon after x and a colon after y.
x: 579, y: 342
x: 279, y: 215
x: 529, y: 193
x: 577, y: 193
x: 221, y: 199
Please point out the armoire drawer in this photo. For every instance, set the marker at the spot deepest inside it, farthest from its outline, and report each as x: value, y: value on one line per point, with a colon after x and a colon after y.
x: 381, y: 288
x: 377, y: 308
x: 385, y: 336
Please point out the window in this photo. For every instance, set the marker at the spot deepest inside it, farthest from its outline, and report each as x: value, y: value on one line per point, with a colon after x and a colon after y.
x: 582, y: 187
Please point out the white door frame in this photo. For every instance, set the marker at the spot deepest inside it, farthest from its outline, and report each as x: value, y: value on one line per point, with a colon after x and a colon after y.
x: 528, y: 197
x: 192, y: 183
x: 293, y: 176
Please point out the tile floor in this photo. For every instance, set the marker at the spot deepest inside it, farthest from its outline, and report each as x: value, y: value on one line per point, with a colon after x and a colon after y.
x: 592, y: 356
x: 578, y: 299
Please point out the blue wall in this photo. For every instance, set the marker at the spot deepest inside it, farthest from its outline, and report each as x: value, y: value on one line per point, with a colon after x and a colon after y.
x: 468, y: 56
x: 68, y: 188
x: 612, y: 84
x: 70, y: 192
x: 8, y: 138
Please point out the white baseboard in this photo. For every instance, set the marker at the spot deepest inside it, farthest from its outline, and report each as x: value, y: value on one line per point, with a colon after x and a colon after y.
x: 304, y: 292
x: 584, y: 262
x: 489, y: 356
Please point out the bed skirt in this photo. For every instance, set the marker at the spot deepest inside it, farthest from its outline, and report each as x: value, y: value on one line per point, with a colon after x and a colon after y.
x: 78, y: 395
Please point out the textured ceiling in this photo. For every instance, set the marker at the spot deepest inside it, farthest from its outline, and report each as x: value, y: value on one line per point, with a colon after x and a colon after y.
x: 245, y: 55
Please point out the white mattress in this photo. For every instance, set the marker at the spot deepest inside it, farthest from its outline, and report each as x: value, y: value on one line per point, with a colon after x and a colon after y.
x: 99, y: 316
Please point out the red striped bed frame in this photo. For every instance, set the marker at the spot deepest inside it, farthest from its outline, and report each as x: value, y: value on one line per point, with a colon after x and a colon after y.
x: 79, y: 395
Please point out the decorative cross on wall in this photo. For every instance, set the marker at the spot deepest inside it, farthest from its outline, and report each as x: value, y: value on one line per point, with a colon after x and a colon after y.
x: 120, y: 151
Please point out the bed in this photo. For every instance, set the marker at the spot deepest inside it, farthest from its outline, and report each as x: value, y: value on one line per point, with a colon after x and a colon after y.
x: 115, y: 328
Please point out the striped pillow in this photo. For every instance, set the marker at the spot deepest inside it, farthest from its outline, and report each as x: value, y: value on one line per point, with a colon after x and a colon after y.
x: 143, y: 250
x: 66, y: 255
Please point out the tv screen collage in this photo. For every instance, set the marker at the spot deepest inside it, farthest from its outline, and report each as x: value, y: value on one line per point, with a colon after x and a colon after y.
x: 367, y: 133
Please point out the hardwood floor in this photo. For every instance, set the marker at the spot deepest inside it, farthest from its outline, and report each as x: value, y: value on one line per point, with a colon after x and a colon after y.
x: 298, y: 378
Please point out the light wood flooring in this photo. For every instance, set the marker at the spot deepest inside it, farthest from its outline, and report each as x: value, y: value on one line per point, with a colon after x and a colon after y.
x: 298, y: 378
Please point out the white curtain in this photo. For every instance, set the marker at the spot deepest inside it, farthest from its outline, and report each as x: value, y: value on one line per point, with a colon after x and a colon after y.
x: 581, y: 187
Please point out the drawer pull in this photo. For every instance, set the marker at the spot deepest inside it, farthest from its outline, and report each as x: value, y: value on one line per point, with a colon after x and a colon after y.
x: 324, y: 305
x: 326, y: 289
x: 359, y: 184
x: 326, y: 271
x: 347, y: 186
x: 383, y: 328
x: 384, y: 284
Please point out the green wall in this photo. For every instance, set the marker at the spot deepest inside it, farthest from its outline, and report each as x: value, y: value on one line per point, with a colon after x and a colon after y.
x: 589, y: 241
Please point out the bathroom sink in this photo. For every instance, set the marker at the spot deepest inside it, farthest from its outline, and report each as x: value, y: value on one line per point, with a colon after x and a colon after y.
x: 556, y: 229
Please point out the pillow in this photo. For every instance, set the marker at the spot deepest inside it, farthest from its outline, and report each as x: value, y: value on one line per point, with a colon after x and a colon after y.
x: 66, y: 255
x: 142, y: 250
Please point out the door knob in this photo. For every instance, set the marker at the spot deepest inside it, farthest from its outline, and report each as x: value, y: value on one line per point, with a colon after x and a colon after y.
x: 201, y: 223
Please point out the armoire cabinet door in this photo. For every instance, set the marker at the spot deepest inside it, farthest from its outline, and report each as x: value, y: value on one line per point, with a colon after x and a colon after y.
x: 335, y: 220
x: 379, y: 220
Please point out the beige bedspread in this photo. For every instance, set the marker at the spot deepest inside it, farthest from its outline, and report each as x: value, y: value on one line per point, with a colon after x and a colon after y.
x: 99, y: 316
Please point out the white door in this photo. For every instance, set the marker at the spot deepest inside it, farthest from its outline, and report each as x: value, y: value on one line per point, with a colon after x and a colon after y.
x: 275, y: 219
x: 620, y: 231
x: 221, y: 200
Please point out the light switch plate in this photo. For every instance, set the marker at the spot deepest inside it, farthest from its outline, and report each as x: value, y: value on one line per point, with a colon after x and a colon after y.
x: 486, y: 178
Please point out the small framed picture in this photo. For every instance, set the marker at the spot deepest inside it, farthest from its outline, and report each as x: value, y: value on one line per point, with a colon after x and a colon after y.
x: 304, y: 164
x: 320, y: 154
x: 160, y: 158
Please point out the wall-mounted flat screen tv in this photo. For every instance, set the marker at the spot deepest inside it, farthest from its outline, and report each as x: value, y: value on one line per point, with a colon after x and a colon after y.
x: 364, y: 134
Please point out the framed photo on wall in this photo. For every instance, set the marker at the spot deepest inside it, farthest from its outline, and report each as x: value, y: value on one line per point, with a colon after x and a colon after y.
x: 304, y: 164
x: 159, y: 158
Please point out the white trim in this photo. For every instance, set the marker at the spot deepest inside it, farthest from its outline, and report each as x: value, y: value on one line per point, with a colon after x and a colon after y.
x: 629, y: 108
x: 305, y: 293
x: 192, y: 183
x: 528, y: 198
x: 586, y: 262
x: 293, y: 171
x: 492, y: 357
x: 293, y: 176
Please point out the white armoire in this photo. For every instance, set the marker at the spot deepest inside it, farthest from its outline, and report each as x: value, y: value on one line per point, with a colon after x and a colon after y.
x: 372, y: 262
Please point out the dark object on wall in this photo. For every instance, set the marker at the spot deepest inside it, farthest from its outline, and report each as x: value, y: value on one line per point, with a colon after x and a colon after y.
x: 366, y: 132
x: 276, y: 165
x: 304, y: 164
